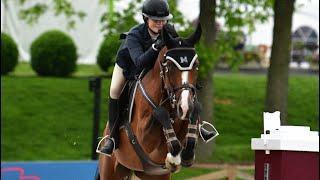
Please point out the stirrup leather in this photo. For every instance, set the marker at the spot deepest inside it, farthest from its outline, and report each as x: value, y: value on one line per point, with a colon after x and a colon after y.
x: 214, y: 130
x: 99, y: 150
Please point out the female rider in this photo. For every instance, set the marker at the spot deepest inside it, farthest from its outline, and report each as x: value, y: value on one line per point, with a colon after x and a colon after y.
x: 138, y: 51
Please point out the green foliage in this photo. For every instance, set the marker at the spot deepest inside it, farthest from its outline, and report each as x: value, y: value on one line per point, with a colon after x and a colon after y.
x: 9, y: 54
x: 251, y: 56
x: 32, y: 14
x: 108, y: 51
x: 240, y: 18
x: 53, y: 53
x: 122, y: 21
x: 244, y: 13
x: 61, y: 7
x: 222, y: 50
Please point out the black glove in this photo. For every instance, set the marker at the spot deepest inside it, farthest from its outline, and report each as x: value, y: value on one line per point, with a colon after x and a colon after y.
x: 158, y: 44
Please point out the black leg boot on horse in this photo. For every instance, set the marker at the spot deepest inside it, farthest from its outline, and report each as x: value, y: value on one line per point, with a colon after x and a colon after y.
x: 112, y: 140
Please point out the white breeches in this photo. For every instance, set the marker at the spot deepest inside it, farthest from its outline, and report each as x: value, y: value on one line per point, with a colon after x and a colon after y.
x: 117, y: 82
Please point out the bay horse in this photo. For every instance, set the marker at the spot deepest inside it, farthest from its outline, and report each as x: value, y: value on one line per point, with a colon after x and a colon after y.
x: 163, y: 131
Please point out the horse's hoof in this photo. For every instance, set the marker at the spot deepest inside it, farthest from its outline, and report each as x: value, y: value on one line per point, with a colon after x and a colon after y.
x: 186, y: 163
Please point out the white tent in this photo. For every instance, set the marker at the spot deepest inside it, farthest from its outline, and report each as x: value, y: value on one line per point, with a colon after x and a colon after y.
x: 87, y: 35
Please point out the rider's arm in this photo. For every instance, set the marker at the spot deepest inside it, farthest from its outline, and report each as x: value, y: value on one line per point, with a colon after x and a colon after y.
x: 140, y: 58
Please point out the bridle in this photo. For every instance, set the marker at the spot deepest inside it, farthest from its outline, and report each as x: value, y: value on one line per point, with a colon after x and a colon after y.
x: 164, y: 70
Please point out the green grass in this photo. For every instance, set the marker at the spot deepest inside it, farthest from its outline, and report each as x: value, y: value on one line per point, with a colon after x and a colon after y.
x: 24, y: 69
x: 45, y: 118
x: 191, y: 172
x: 239, y: 104
x: 51, y: 118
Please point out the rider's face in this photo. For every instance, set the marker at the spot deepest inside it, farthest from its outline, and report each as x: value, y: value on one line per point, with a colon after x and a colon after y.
x: 156, y: 25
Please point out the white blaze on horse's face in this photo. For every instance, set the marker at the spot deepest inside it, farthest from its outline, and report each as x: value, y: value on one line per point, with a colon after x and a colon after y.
x: 185, y: 94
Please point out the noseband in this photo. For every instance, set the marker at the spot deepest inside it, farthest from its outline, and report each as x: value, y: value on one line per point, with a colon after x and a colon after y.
x: 183, y: 59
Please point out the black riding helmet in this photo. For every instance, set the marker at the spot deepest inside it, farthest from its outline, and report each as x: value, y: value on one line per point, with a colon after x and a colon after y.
x: 156, y: 9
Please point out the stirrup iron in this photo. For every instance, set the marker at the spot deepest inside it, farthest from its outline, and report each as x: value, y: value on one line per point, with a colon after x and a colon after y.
x: 213, y: 130
x: 105, y: 137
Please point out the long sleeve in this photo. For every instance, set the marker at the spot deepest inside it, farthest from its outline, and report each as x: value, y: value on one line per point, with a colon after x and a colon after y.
x: 140, y: 58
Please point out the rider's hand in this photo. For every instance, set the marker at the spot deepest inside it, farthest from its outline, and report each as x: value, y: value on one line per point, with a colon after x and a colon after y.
x: 158, y: 44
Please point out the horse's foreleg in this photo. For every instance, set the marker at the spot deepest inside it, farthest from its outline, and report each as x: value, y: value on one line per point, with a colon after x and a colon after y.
x: 106, y: 167
x: 174, y: 146
x: 188, y: 152
x: 110, y: 169
x: 106, y: 163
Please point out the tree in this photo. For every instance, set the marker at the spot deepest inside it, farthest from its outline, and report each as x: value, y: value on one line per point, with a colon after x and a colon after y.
x: 218, y: 43
x: 207, y: 19
x: 277, y: 84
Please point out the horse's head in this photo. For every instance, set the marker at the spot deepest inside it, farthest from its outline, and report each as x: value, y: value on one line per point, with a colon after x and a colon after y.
x: 179, y: 70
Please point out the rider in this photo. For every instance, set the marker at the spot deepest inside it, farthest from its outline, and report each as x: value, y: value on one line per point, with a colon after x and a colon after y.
x: 139, y: 50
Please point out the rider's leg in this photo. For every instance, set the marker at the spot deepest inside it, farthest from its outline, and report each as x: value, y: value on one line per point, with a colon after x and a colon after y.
x: 117, y: 83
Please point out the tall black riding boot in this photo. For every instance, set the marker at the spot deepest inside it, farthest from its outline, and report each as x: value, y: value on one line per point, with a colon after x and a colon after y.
x: 112, y: 139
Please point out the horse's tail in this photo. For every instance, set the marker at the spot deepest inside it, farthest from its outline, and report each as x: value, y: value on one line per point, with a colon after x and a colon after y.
x: 97, y: 174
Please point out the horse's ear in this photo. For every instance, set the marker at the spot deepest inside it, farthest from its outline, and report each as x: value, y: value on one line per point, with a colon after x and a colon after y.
x: 195, y: 37
x: 168, y: 39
